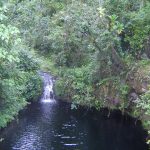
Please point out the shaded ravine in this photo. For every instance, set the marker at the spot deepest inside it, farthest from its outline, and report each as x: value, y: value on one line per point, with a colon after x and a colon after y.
x: 52, y: 125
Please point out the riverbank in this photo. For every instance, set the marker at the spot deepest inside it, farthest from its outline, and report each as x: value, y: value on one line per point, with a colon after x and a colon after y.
x: 31, y: 91
x: 56, y: 125
x: 130, y: 93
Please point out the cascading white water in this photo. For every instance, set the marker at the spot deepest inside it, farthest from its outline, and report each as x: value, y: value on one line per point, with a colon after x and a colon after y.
x: 48, y: 93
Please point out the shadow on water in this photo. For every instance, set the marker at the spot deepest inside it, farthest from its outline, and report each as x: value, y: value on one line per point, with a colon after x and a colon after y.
x: 54, y: 126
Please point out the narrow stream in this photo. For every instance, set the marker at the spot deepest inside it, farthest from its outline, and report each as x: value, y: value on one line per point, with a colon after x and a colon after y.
x: 52, y: 125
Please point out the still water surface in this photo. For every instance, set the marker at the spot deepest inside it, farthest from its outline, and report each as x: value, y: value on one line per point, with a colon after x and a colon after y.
x: 54, y: 126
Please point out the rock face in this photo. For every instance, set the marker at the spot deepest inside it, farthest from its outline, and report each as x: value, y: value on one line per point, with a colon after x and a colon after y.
x: 133, y: 96
x: 139, y: 81
x: 138, y: 78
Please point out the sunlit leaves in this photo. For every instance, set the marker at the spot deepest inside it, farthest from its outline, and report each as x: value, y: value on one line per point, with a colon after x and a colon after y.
x: 101, y: 11
x: 115, y: 25
x: 7, y: 33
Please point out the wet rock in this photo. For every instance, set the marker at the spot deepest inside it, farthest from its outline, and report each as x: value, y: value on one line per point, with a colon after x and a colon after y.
x: 133, y: 96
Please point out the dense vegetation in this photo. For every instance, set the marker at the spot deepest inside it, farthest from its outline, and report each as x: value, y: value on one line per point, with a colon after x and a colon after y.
x: 99, y: 50
x: 19, y: 82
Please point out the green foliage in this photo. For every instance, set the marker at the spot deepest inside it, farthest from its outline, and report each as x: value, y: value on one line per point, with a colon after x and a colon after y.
x: 134, y: 14
x: 76, y: 86
x: 27, y: 62
x: 32, y: 86
x: 143, y: 107
x: 143, y: 103
x: 33, y: 19
x: 138, y: 30
x: 18, y: 79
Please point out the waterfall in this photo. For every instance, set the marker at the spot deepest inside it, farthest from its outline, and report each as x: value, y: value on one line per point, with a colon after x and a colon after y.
x: 48, y: 93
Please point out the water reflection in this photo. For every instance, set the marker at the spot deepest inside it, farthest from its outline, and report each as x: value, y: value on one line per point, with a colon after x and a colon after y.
x: 54, y: 126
